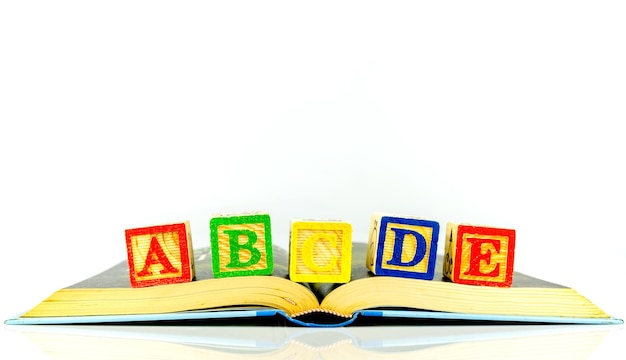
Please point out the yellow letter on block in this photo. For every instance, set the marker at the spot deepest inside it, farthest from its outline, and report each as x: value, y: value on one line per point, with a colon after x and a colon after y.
x: 320, y: 251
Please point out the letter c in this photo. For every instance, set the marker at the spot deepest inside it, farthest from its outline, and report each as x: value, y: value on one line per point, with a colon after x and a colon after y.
x: 307, y: 252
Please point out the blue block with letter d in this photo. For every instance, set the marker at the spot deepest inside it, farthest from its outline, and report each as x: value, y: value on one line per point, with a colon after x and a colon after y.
x: 402, y: 246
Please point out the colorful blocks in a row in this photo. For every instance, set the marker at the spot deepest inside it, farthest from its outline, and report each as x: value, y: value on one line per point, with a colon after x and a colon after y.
x: 474, y: 255
x: 241, y: 245
x: 321, y: 251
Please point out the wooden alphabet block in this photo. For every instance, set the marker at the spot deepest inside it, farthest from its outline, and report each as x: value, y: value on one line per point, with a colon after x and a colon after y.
x: 320, y: 251
x: 478, y: 255
x: 402, y: 246
x: 241, y: 245
x: 159, y: 255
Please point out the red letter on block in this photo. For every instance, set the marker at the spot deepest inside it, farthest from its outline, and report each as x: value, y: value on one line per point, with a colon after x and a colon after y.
x: 159, y: 255
x: 156, y: 255
x: 478, y: 255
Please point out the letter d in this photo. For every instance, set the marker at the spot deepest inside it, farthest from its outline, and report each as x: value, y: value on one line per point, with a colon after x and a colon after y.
x: 420, y: 247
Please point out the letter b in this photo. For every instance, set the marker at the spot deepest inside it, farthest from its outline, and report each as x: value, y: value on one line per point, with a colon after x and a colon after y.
x: 241, y: 245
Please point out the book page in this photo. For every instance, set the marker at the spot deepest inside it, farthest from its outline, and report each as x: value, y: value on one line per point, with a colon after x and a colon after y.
x: 527, y: 296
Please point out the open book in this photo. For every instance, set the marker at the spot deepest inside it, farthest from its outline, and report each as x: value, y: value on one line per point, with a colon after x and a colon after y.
x: 108, y: 298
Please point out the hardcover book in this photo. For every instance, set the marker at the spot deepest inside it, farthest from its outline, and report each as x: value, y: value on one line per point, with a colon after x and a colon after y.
x: 366, y: 299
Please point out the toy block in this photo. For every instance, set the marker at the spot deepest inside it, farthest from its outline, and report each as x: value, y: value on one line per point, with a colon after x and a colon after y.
x: 241, y: 245
x: 478, y: 255
x: 402, y: 246
x: 320, y: 251
x: 159, y: 255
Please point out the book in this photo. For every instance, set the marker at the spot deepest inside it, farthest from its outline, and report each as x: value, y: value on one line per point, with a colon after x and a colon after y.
x: 367, y: 299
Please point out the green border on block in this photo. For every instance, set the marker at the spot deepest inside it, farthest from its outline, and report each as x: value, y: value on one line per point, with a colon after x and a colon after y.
x: 237, y: 220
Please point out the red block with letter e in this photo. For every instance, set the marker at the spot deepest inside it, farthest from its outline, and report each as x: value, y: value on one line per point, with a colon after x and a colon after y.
x: 159, y: 255
x: 478, y: 255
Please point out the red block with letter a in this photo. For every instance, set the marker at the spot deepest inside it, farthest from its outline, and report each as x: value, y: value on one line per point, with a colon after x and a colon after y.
x: 479, y: 255
x: 159, y: 255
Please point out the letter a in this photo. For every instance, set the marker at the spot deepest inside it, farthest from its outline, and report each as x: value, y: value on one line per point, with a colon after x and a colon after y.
x: 156, y: 255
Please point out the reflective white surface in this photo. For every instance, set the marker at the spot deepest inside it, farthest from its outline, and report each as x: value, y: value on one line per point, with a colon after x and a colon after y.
x: 410, y: 342
x: 122, y: 114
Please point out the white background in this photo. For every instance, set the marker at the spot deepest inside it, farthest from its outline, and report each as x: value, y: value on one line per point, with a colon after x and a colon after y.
x: 123, y: 114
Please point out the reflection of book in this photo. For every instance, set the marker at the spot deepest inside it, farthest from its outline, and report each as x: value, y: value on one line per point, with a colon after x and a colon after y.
x: 107, y: 297
x: 165, y: 342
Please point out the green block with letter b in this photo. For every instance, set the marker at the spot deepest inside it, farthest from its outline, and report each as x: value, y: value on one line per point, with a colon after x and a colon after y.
x: 241, y: 245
